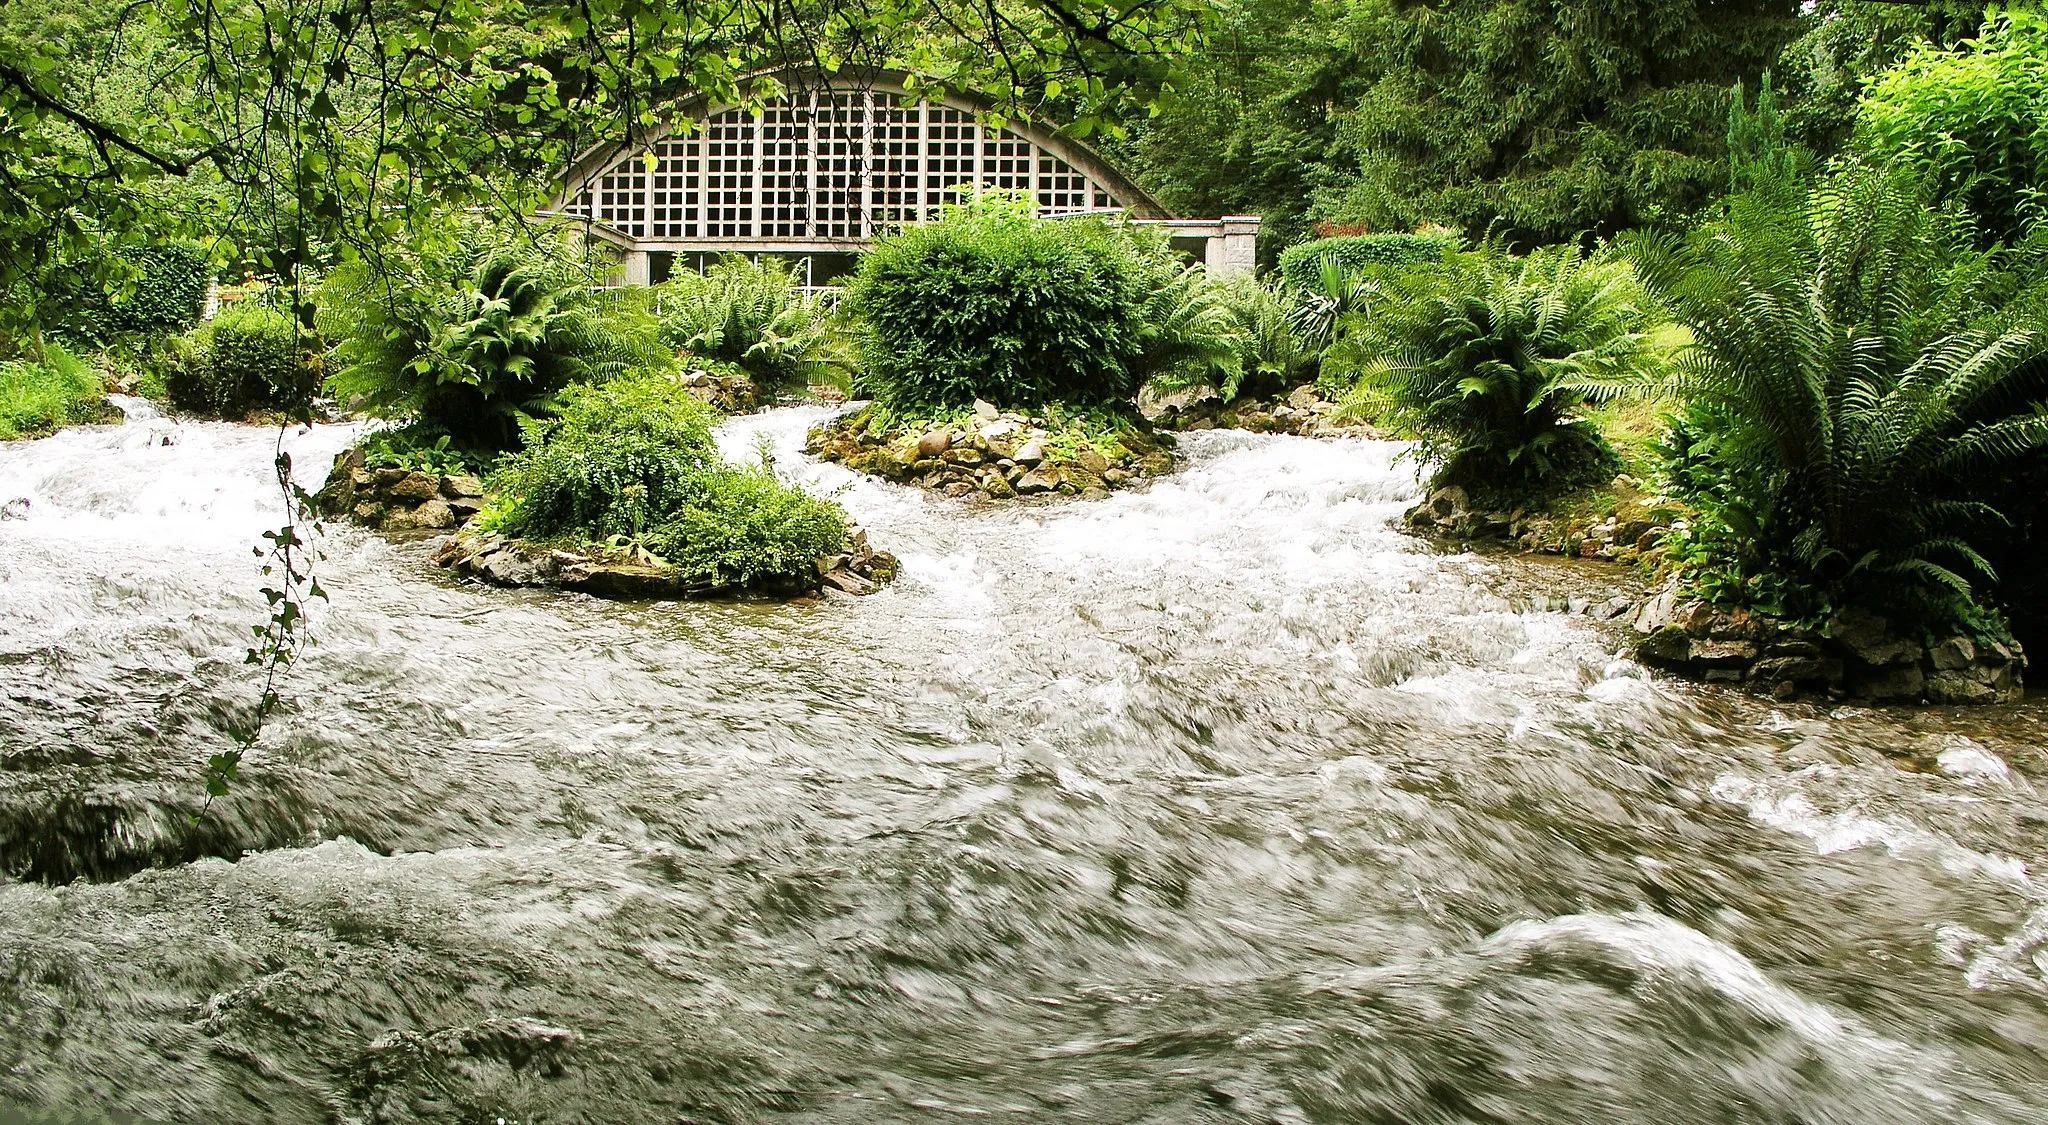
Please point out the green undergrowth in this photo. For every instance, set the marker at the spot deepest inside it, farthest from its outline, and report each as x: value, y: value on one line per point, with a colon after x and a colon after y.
x: 629, y: 467
x: 1069, y: 429
x: 37, y: 399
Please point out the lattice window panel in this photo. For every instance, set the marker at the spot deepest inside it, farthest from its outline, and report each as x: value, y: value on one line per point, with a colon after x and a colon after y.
x: 839, y: 166
x: 622, y: 197
x: 675, y: 188
x: 729, y: 175
x: 1061, y: 189
x: 952, y: 145
x: 895, y: 161
x: 1006, y: 161
x: 832, y: 165
x: 785, y: 170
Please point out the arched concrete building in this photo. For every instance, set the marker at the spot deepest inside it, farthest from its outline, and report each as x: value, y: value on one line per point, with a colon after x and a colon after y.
x: 819, y: 171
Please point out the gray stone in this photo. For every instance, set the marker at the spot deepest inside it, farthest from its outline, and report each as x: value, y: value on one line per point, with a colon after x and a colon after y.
x: 1031, y: 453
x: 1952, y: 686
x: 1092, y: 461
x: 934, y: 444
x: 1303, y: 398
x: 1036, y: 481
x: 1953, y: 654
x: 434, y: 514
x: 15, y: 509
x: 985, y: 410
x: 416, y: 487
x: 506, y: 567
x: 461, y: 486
x: 1864, y: 635
x: 847, y: 582
x: 1897, y: 683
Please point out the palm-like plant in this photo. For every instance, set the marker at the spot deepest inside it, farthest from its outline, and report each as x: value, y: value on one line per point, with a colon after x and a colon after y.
x: 752, y: 314
x: 469, y: 334
x: 1187, y: 332
x: 1865, y: 367
x: 1487, y: 358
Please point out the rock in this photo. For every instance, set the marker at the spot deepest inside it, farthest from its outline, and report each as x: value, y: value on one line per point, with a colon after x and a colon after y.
x: 1901, y: 683
x: 1092, y: 461
x: 1863, y: 635
x: 15, y: 509
x: 461, y: 486
x: 434, y: 514
x: 388, y: 477
x: 416, y: 487
x: 829, y: 563
x: 465, y: 510
x: 626, y: 581
x: 1447, y: 504
x: 368, y: 512
x: 847, y: 582
x: 1303, y: 399
x: 1095, y: 494
x: 1656, y: 613
x: 998, y: 486
x: 1157, y: 463
x: 507, y: 567
x: 1669, y: 646
x: 1031, y: 453
x: 1723, y: 654
x: 999, y: 429
x: 985, y: 410
x: 958, y: 489
x: 967, y: 457
x: 1952, y: 654
x: 934, y: 443
x: 1953, y: 686
x: 1036, y: 481
x: 1114, y: 476
x: 398, y: 519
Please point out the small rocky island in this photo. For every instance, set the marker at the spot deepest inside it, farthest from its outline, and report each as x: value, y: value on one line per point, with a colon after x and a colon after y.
x: 999, y: 454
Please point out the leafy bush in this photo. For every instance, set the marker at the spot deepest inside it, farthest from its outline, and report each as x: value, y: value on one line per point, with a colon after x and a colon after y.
x: 753, y: 315
x: 416, y: 450
x: 1301, y: 266
x: 169, y: 291
x: 253, y: 355
x: 1231, y: 335
x: 1488, y: 361
x: 633, y: 460
x: 1976, y: 116
x: 39, y: 398
x: 988, y: 302
x: 1857, y: 372
x: 469, y: 331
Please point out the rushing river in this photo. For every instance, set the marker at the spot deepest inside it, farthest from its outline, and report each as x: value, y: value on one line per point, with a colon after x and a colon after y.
x: 1221, y: 801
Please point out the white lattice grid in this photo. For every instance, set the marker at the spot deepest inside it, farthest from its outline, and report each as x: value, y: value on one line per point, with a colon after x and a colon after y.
x: 840, y: 165
x: 839, y: 176
x: 622, y: 197
x: 895, y: 148
x: 785, y: 172
x: 675, y: 186
x: 729, y: 175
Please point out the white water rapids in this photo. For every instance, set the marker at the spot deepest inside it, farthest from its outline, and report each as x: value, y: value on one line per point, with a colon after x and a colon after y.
x: 1219, y: 801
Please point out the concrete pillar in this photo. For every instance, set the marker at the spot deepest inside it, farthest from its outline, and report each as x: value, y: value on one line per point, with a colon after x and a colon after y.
x: 1233, y: 250
x: 633, y: 269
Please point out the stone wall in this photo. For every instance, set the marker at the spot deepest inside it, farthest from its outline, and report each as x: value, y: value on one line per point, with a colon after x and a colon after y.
x: 398, y: 499
x: 1859, y: 655
x: 1000, y: 455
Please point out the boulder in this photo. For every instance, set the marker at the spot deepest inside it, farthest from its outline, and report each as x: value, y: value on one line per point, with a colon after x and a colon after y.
x: 1092, y: 461
x: 1952, y: 654
x: 1030, y: 453
x: 934, y: 443
x: 1955, y: 686
x: 1303, y: 398
x: 626, y: 581
x: 461, y: 486
x: 416, y: 487
x: 436, y: 514
x: 1898, y: 683
x: 847, y: 582
x: 1865, y: 636
x: 1036, y: 481
x: 985, y: 410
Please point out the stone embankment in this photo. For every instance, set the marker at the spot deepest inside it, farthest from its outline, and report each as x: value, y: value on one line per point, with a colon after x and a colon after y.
x: 1631, y: 530
x: 997, y: 454
x: 399, y: 499
x: 627, y: 576
x: 1858, y: 655
x: 727, y: 390
x: 1303, y: 412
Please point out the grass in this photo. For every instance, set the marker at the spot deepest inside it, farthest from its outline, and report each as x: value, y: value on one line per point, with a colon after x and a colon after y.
x: 37, y: 399
x: 1633, y: 426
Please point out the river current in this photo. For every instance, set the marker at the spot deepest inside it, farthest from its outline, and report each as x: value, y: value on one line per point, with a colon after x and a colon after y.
x: 1223, y: 801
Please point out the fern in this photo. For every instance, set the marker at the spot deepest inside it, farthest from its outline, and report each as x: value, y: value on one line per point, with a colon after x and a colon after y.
x: 1487, y: 358
x: 752, y: 314
x: 1864, y: 367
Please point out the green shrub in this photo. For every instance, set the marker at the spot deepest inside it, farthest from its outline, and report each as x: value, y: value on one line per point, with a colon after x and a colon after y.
x: 468, y: 331
x: 1487, y: 361
x: 169, y: 291
x: 751, y: 314
x: 1976, y: 117
x: 39, y: 398
x: 253, y: 361
x: 1233, y: 335
x: 1859, y: 372
x: 633, y: 460
x: 988, y: 302
x: 1301, y: 266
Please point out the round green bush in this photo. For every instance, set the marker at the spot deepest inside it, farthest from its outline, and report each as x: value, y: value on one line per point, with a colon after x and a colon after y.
x: 991, y: 303
x: 247, y: 359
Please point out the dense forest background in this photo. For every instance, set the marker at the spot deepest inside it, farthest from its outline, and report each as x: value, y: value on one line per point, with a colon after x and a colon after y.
x: 1534, y: 119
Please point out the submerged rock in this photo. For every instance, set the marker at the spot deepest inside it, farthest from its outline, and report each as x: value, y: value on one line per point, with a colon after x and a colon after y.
x: 498, y: 560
